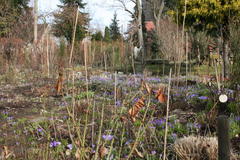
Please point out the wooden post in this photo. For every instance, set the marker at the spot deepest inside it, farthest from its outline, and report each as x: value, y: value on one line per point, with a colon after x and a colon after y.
x: 223, y: 131
x: 223, y: 138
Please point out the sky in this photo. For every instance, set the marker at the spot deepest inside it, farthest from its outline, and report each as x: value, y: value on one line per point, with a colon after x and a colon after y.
x: 101, y: 12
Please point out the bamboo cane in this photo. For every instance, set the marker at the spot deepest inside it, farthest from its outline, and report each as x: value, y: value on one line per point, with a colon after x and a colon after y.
x: 73, y: 39
x: 166, y: 125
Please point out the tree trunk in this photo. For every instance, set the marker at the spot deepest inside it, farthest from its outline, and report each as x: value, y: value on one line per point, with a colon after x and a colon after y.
x: 225, y: 56
x: 35, y: 20
x: 158, y: 15
x: 199, y: 56
x: 94, y: 51
x: 140, y: 33
x: 47, y: 54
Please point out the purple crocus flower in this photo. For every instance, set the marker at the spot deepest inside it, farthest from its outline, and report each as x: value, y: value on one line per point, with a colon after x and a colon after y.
x: 158, y: 122
x: 93, y: 149
x: 5, y: 112
x: 128, y: 142
x: 229, y: 91
x: 10, y: 118
x: 65, y: 117
x: 151, y: 127
x: 55, y: 144
x: 135, y: 100
x: 63, y: 104
x: 70, y: 146
x: 174, y: 135
x: 192, y: 95
x: 170, y: 125
x: 153, y: 152
x: 177, y: 95
x: 153, y: 79
x: 203, y: 97
x: 118, y: 103
x: 196, y: 125
x: 40, y: 130
x: 107, y: 137
x: 237, y: 118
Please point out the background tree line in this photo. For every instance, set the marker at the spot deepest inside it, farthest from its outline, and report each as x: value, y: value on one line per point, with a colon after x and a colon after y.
x: 203, y: 22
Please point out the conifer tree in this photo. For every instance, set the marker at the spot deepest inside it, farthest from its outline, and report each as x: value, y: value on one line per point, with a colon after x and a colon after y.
x: 65, y: 20
x: 114, y: 28
x: 98, y: 36
x: 10, y: 13
x: 107, y: 36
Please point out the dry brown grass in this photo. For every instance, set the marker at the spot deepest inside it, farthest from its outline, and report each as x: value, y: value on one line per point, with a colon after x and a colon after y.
x: 198, y: 148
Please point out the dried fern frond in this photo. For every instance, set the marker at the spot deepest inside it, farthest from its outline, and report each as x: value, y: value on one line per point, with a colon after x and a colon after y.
x: 136, y: 108
x: 146, y: 86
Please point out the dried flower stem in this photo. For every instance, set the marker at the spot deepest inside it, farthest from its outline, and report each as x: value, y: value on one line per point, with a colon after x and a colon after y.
x: 166, y: 125
x: 100, y: 134
x: 73, y: 39
x: 217, y: 76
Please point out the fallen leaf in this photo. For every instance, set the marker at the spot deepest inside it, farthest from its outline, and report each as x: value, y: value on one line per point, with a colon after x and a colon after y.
x: 161, y: 96
x: 103, y: 151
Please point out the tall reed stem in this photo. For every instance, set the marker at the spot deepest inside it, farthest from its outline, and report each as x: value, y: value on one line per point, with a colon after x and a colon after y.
x: 166, y: 125
x: 73, y: 39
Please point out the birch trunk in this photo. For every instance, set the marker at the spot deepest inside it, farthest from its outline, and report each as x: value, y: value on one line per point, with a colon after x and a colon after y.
x: 35, y: 20
x: 225, y: 56
x: 140, y: 32
x: 47, y: 54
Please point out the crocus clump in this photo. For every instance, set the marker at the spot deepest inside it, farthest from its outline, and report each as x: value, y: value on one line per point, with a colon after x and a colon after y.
x: 107, y: 137
x: 54, y: 144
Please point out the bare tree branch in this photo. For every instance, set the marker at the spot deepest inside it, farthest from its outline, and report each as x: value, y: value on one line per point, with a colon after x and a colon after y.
x: 161, y: 9
x: 157, y: 11
x: 133, y: 1
x: 126, y: 9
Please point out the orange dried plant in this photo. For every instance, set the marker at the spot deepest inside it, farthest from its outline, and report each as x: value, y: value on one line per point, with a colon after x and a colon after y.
x: 136, y: 108
x: 147, y: 87
x: 59, y: 84
x: 161, y: 96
